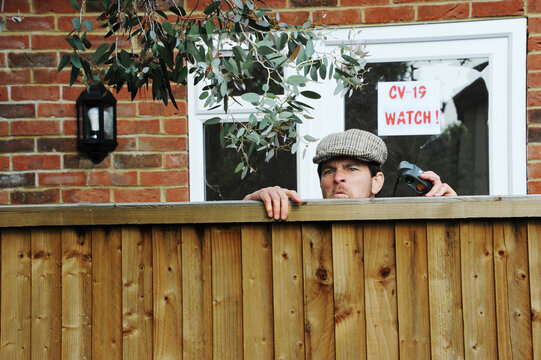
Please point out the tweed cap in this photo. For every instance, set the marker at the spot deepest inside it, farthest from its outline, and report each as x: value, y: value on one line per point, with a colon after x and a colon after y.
x: 355, y: 143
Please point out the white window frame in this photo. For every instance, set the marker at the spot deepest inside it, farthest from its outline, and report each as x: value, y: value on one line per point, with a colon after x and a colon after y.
x: 502, y: 41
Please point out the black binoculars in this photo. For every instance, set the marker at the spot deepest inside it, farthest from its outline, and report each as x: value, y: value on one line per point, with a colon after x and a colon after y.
x: 408, y: 174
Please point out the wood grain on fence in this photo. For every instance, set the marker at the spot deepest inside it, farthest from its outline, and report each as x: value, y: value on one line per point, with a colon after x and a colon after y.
x: 442, y: 289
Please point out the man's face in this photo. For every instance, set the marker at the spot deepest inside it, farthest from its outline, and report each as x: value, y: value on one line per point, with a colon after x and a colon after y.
x: 347, y: 178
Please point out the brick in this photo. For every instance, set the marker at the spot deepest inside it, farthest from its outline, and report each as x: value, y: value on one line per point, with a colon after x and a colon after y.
x: 14, y: 76
x: 534, y: 43
x: 161, y: 143
x: 57, y: 110
x: 62, y: 179
x: 35, y: 127
x: 138, y: 161
x: 175, y: 126
x: 4, y: 163
x: 94, y: 195
x: 534, y: 151
x: 14, y: 42
x: 534, y: 23
x: 65, y: 24
x: 312, y: 3
x: 57, y: 144
x: 32, y: 23
x: 196, y: 5
x: 79, y: 162
x: 389, y: 14
x: 365, y: 2
x: 498, y: 8
x: 534, y: 170
x: 138, y: 126
x: 4, y: 128
x: 33, y: 59
x: 47, y: 42
x: 180, y: 194
x: 17, y: 180
x: 440, y: 12
x: 13, y: 111
x: 4, y: 96
x: 4, y: 197
x: 108, y: 178
x: 2, y: 60
x: 36, y: 162
x: 16, y: 6
x: 534, y: 187
x: 534, y: 5
x: 137, y: 195
x: 126, y: 144
x: 16, y: 145
x: 340, y: 17
x: 153, y: 108
x: 534, y: 79
x: 71, y: 93
x: 533, y: 98
x: 534, y: 134
x: 534, y: 116
x: 69, y: 127
x: 28, y: 92
x: 126, y: 110
x: 50, y: 196
x: 273, y: 4
x: 294, y: 17
x: 176, y: 160
x: 54, y: 6
x: 534, y: 61
x: 51, y: 76
x: 157, y: 178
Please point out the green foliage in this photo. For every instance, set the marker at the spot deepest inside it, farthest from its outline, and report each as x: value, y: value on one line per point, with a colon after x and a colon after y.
x: 221, y: 47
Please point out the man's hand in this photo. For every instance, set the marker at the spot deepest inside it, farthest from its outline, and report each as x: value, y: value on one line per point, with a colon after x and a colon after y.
x: 438, y: 188
x: 276, y: 200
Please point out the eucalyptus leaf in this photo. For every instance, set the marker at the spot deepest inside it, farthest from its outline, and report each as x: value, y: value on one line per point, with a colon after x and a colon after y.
x: 297, y: 80
x: 212, y: 121
x: 251, y: 97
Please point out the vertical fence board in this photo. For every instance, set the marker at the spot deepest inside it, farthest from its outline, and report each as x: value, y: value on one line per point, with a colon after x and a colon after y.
x: 318, y: 291
x: 76, y: 294
x: 347, y: 254
x: 167, y: 292
x: 46, y: 294
x: 380, y: 292
x: 196, y: 294
x: 512, y: 290
x: 137, y: 299
x: 412, y: 288
x: 478, y: 290
x: 288, y: 292
x: 226, y: 293
x: 257, y: 292
x: 106, y: 293
x: 534, y: 255
x: 446, y: 329
x: 15, y: 302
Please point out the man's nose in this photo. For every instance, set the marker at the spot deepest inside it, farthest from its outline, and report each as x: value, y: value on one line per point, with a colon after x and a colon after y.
x: 339, y: 176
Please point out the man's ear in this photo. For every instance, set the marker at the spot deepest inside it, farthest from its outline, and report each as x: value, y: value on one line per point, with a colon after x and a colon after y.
x: 377, y: 183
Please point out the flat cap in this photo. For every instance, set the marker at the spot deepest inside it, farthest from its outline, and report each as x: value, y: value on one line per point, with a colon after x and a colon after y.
x: 355, y: 143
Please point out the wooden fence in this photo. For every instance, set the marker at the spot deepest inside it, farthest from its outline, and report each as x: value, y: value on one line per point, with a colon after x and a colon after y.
x: 367, y: 279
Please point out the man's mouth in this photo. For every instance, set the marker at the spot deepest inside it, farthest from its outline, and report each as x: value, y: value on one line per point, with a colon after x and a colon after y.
x: 340, y: 194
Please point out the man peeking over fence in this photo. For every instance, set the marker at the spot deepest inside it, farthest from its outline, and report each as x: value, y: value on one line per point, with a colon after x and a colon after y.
x: 349, y: 167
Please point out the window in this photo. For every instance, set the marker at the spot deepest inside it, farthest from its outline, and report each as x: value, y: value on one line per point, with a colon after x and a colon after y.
x: 481, y: 67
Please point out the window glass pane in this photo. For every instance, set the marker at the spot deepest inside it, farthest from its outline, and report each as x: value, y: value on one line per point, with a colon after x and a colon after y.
x: 223, y: 184
x: 255, y: 83
x: 460, y: 153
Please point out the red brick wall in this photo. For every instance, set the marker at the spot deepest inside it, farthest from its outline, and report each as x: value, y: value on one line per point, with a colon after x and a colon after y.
x: 39, y: 162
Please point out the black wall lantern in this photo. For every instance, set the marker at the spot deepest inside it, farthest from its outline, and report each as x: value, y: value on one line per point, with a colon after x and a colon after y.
x: 96, y: 122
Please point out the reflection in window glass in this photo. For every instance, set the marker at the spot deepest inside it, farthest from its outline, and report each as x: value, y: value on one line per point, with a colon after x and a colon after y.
x: 223, y: 184
x: 460, y: 153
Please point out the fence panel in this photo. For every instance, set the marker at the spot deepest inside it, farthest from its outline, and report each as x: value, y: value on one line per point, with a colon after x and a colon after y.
x: 462, y: 288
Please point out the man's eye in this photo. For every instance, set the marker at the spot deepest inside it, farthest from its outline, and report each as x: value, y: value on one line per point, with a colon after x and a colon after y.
x: 328, y: 171
x: 353, y: 169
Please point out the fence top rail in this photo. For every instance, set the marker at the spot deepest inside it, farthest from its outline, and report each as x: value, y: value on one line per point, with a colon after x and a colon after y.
x: 252, y: 211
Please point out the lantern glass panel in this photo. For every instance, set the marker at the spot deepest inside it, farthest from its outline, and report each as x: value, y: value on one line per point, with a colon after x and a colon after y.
x: 108, y: 122
x: 93, y: 115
